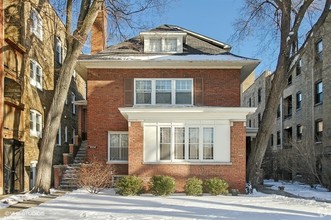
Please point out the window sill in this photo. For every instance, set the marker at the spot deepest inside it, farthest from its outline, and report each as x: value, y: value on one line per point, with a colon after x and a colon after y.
x: 318, y: 142
x: 209, y: 163
x: 298, y: 109
x: 117, y: 162
x: 317, y: 104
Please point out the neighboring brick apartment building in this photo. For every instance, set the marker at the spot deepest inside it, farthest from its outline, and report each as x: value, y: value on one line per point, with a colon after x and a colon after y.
x: 303, y: 118
x: 168, y: 102
x: 32, y: 51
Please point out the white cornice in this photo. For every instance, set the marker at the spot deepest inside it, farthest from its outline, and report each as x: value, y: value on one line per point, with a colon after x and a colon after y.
x: 185, y: 113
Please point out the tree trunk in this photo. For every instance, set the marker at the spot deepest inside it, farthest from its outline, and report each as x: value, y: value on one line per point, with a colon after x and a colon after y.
x: 75, y: 45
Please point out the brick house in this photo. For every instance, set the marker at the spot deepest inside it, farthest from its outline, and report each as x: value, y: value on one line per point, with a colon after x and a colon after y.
x: 32, y: 43
x: 168, y: 102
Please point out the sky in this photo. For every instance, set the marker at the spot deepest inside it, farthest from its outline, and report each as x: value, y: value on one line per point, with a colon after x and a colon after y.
x: 215, y: 19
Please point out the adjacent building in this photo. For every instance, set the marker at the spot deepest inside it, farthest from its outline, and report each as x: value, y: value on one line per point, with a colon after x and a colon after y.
x: 33, y: 47
x: 303, y: 120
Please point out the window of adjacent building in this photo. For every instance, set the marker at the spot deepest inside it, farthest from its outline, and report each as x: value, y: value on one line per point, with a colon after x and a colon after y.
x: 66, y: 134
x: 58, y: 137
x: 199, y: 142
x: 288, y: 106
x: 259, y: 95
x: 259, y: 118
x: 272, y: 140
x: 164, y: 91
x: 288, y: 137
x: 278, y: 137
x: 318, y: 92
x: 298, y: 100
x: 299, y: 132
x: 278, y: 111
x: 250, y: 123
x: 250, y: 102
x: 36, y: 24
x: 117, y: 146
x: 73, y: 99
x: 318, y: 130
x: 35, y: 123
x: 36, y: 74
x: 289, y: 80
x: 319, y: 51
x: 58, y: 50
x: 299, y: 67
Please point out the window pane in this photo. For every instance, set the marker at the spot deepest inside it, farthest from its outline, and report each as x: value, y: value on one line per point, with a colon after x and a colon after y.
x: 143, y: 92
x: 38, y: 74
x: 179, y: 143
x: 38, y: 122
x: 118, y: 147
x: 155, y: 45
x: 194, y: 143
x: 208, y: 143
x: 31, y: 121
x: 165, y: 143
x: 170, y: 45
x: 163, y: 91
x: 183, y: 92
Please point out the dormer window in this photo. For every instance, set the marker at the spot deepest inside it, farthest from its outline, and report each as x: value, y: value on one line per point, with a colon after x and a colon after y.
x: 163, y: 42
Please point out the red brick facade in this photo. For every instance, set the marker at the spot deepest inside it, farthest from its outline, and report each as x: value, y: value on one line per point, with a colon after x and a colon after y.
x: 234, y: 174
x: 106, y: 94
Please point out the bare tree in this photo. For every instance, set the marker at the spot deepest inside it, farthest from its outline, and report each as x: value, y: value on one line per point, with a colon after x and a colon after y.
x: 284, y: 20
x: 121, y: 12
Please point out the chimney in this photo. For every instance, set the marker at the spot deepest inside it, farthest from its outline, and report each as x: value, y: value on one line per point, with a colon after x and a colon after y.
x: 99, y: 32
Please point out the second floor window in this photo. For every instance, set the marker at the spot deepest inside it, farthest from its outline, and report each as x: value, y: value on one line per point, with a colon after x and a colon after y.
x: 318, y: 92
x: 278, y: 138
x: 36, y: 74
x: 36, y: 24
x: 58, y: 51
x: 164, y: 91
x: 35, y: 123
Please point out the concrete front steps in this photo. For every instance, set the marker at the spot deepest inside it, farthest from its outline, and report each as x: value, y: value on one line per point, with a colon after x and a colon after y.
x: 71, y: 171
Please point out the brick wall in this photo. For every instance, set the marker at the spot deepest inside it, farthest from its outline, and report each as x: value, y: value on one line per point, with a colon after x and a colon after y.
x: 234, y: 174
x: 106, y: 95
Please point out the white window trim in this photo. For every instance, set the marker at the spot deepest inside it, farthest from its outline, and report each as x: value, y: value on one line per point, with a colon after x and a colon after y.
x: 186, y: 156
x: 66, y: 134
x: 173, y: 91
x: 39, y: 22
x: 108, y: 148
x: 59, y: 49
x: 33, y: 130
x: 163, y: 37
x: 73, y: 99
x: 33, y: 81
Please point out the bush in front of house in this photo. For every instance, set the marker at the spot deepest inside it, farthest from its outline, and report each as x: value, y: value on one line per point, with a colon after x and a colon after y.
x: 94, y: 176
x: 130, y: 186
x: 216, y: 186
x: 162, y: 185
x: 193, y: 187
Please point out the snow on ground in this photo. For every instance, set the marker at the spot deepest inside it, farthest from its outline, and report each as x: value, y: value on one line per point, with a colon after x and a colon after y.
x: 106, y: 205
x: 11, y: 200
x: 300, y: 189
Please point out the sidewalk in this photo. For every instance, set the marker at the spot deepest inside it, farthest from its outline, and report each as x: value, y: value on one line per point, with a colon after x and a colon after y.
x: 29, y: 203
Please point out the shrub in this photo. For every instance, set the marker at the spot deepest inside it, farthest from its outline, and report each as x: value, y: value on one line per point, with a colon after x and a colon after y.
x: 94, y: 176
x: 130, y: 186
x: 216, y: 186
x: 162, y: 185
x: 193, y: 187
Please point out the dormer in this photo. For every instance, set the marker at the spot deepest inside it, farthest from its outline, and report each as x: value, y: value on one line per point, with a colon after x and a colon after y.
x: 163, y: 42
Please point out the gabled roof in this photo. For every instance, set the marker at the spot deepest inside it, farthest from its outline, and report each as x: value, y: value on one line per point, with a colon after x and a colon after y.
x: 198, y: 51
